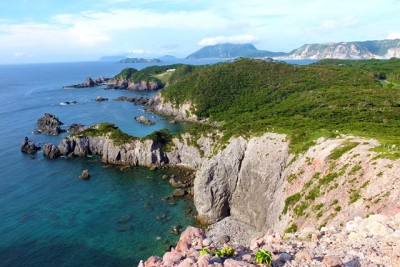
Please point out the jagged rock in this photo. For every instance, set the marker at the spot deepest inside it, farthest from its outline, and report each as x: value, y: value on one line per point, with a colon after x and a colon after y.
x: 144, y: 120
x: 89, y: 82
x: 85, y: 175
x: 50, y: 124
x: 101, y: 99
x: 51, y: 151
x: 28, y: 146
x: 76, y: 128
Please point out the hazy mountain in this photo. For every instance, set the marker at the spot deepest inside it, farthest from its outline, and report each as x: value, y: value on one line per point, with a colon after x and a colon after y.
x: 231, y: 51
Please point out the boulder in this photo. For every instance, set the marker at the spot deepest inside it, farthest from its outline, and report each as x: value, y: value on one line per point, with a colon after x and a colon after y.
x: 178, y: 192
x: 51, y: 151
x: 50, y: 124
x: 144, y: 120
x: 191, y: 237
x: 85, y: 175
x: 101, y: 99
x: 28, y: 146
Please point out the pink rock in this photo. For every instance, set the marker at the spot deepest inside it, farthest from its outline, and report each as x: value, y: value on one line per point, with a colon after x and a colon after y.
x: 303, y: 255
x: 204, y: 260
x: 188, y: 262
x: 248, y: 257
x: 332, y: 261
x: 173, y: 256
x: 190, y: 237
x: 235, y: 263
x: 153, y: 262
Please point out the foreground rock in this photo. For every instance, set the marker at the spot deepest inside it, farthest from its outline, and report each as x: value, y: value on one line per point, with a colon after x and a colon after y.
x: 144, y: 120
x: 89, y: 82
x: 51, y: 151
x: 49, y: 124
x: 28, y: 146
x: 326, y: 247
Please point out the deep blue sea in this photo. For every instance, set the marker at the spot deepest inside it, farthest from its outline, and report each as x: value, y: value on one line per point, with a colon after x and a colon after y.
x: 48, y: 216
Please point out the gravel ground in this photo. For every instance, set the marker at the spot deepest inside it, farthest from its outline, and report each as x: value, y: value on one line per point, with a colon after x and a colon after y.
x: 238, y: 232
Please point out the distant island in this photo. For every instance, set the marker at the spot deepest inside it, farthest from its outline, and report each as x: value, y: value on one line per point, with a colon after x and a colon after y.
x: 379, y: 49
x: 139, y: 60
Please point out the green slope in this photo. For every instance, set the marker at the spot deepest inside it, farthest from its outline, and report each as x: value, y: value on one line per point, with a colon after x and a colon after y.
x: 250, y: 97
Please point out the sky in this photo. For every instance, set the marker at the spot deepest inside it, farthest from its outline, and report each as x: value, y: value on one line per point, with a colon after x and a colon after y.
x: 60, y: 31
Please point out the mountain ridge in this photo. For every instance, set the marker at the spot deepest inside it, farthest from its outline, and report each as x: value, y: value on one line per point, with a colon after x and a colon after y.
x: 379, y: 49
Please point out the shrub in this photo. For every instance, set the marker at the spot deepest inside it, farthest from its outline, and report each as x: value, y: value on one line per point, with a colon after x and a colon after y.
x: 263, y: 256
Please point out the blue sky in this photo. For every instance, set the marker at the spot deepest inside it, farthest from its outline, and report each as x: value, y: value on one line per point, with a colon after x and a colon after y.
x: 57, y: 31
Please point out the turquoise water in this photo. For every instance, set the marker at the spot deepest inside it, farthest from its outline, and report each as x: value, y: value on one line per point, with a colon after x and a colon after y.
x: 48, y: 216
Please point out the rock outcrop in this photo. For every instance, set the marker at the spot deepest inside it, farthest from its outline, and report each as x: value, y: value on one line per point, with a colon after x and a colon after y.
x: 28, y: 146
x: 144, y: 120
x: 85, y: 175
x: 89, y: 82
x: 76, y: 128
x: 101, y: 99
x: 184, y: 111
x: 49, y: 124
x: 51, y: 151
x: 122, y: 84
x: 250, y: 175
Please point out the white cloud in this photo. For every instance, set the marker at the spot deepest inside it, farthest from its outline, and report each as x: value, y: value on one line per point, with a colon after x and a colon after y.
x: 394, y: 35
x: 237, y: 39
x: 338, y: 24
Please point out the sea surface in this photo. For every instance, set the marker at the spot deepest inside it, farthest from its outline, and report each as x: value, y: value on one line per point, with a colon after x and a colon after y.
x: 48, y: 216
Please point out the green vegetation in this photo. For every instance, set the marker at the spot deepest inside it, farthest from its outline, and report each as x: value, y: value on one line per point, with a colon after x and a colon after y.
x: 314, y: 193
x: 292, y: 228
x: 339, y: 151
x: 355, y: 169
x: 355, y: 195
x: 159, y: 74
x: 328, y: 178
x: 289, y: 201
x: 224, y: 252
x: 250, y: 97
x: 263, y: 256
x: 204, y: 251
x: 110, y: 130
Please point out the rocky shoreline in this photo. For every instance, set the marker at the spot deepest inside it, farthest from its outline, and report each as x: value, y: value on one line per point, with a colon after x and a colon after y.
x: 372, y: 241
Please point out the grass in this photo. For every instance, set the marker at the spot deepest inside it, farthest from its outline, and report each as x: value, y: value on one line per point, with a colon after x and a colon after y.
x: 339, y: 151
x: 355, y: 169
x: 291, y: 200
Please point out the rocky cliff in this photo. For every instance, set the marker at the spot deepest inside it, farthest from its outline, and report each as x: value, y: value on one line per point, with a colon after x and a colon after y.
x: 184, y: 111
x: 258, y: 182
